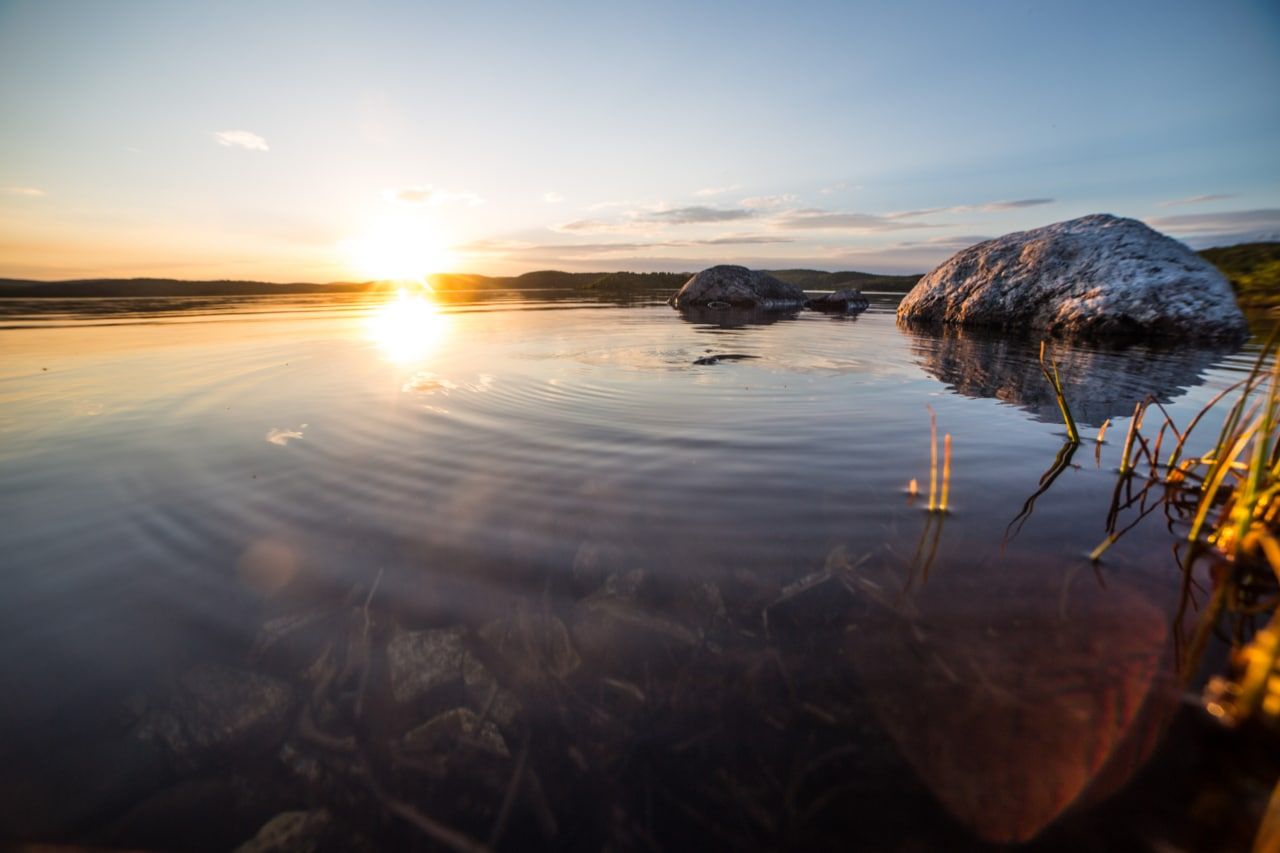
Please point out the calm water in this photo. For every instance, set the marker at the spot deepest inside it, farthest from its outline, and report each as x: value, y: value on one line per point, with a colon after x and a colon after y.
x: 735, y: 625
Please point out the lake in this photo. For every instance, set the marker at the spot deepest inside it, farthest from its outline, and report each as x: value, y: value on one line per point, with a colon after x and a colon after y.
x: 547, y: 570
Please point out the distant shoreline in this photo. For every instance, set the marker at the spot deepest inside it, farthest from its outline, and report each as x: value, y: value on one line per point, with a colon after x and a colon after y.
x: 1252, y: 268
x: 615, y: 282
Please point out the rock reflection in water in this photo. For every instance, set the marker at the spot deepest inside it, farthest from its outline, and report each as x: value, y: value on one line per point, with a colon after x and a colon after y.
x: 733, y: 318
x: 1100, y: 382
x: 1044, y: 690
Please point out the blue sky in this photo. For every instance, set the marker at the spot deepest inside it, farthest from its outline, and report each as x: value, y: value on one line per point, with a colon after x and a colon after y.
x: 296, y: 141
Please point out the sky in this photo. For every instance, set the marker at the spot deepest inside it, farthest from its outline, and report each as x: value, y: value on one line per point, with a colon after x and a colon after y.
x: 322, y: 141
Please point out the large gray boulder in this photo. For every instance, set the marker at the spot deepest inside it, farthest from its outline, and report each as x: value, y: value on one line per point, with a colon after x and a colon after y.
x: 738, y: 287
x: 1098, y: 274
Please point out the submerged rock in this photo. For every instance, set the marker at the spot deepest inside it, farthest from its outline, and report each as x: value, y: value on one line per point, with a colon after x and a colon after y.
x: 846, y: 300
x: 291, y: 831
x: 738, y: 287
x: 441, y: 733
x: 419, y: 662
x: 1098, y: 274
x: 214, y: 710
x: 314, y: 831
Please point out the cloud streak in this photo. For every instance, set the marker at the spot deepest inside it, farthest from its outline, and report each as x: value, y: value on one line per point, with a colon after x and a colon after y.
x: 816, y: 219
x: 245, y: 139
x: 30, y: 192
x: 707, y: 192
x: 514, y: 248
x: 1218, y: 223
x: 698, y: 214
x: 986, y: 207
x: 1196, y: 199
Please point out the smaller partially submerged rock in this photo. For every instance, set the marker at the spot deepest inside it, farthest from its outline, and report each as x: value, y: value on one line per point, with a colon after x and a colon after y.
x: 846, y: 300
x: 1096, y: 275
x: 738, y: 287
x: 724, y: 356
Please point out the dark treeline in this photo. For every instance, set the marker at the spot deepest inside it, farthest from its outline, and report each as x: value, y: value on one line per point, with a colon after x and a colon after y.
x: 539, y: 280
x: 1252, y: 268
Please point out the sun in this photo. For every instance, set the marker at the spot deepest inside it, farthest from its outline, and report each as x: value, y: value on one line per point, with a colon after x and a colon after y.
x: 407, y: 328
x: 397, y: 250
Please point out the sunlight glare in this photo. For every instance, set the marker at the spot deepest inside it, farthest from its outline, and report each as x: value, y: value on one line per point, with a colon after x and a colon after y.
x: 408, y: 327
x: 397, y: 250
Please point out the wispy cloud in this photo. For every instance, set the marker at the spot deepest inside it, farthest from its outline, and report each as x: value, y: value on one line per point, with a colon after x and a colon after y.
x: 30, y: 192
x: 1196, y: 199
x: 578, y: 250
x: 698, y: 214
x: 487, y: 246
x: 770, y: 202
x: 600, y: 226
x: 833, y: 188
x: 431, y: 195
x: 1218, y: 223
x: 952, y: 243
x: 817, y: 219
x: 653, y: 217
x: 552, y: 197
x: 707, y: 192
x: 1016, y: 204
x: 986, y: 207
x: 241, y: 139
x: 777, y: 212
x: 741, y: 240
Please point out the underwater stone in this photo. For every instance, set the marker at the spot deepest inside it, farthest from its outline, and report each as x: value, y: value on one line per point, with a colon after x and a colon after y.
x: 214, y: 709
x: 421, y: 661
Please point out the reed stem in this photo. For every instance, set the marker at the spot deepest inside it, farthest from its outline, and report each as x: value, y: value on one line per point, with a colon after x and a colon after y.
x: 1073, y: 434
x: 946, y: 471
x: 933, y: 459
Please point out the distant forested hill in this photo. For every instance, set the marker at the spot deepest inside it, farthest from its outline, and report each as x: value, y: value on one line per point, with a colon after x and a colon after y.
x: 819, y: 280
x: 1253, y: 270
x: 173, y: 287
x: 613, y: 282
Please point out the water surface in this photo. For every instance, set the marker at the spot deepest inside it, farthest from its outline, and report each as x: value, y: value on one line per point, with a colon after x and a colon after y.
x: 760, y: 637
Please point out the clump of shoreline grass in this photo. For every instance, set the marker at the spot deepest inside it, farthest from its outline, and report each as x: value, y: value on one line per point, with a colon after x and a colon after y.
x: 1228, y: 502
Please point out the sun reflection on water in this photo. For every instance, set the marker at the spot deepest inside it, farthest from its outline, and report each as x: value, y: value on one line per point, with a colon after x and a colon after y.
x: 408, y: 328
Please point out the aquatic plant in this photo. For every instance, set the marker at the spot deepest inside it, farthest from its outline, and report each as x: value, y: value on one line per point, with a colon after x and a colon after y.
x: 1073, y: 434
x: 936, y: 504
x: 1228, y: 501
